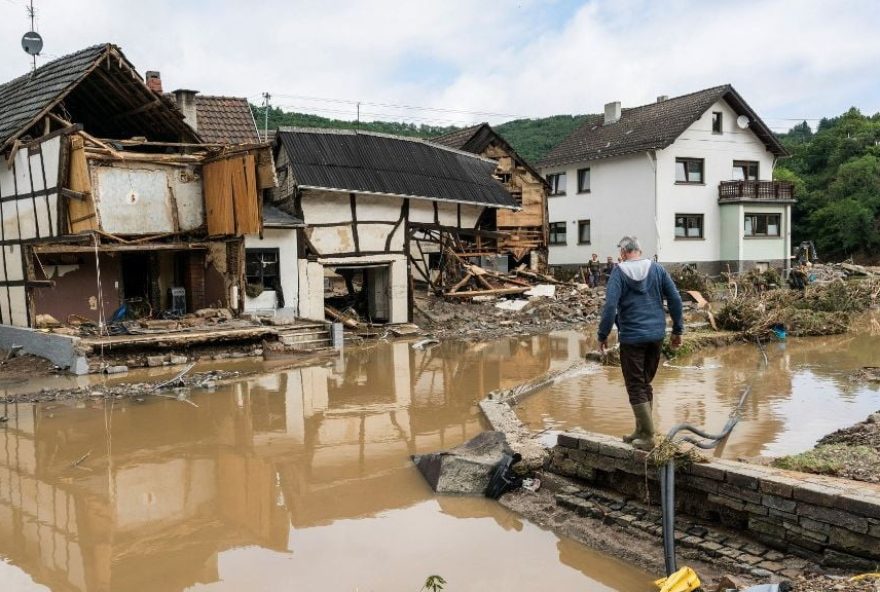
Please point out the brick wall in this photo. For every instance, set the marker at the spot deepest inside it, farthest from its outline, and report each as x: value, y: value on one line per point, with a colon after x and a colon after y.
x: 831, y: 521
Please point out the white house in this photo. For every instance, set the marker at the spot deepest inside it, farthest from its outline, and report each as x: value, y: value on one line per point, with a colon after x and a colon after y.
x: 691, y: 176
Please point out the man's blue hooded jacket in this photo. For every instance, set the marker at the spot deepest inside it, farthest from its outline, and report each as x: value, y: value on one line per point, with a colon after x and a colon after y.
x: 634, y: 299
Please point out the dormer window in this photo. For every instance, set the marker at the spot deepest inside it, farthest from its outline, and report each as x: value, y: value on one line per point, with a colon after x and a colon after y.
x: 717, y: 120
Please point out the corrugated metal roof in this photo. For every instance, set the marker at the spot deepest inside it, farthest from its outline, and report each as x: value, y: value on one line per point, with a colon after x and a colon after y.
x: 379, y: 163
x: 651, y: 127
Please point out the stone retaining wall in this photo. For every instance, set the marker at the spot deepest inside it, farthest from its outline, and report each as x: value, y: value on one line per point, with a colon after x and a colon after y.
x: 835, y: 522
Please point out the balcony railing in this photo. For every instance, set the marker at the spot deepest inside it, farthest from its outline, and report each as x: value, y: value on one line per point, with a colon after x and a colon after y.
x: 771, y: 190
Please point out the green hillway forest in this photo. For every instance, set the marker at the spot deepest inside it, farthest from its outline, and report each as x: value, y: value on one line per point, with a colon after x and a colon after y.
x: 836, y: 169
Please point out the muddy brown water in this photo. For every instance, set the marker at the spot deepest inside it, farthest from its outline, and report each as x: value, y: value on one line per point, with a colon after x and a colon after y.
x: 301, y: 479
x: 805, y: 391
x: 294, y: 480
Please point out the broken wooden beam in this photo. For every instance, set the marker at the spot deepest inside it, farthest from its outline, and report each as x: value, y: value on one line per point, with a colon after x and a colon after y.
x: 341, y: 317
x: 495, y: 292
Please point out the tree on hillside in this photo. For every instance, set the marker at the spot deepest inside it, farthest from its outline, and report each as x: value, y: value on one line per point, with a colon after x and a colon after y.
x: 837, y: 176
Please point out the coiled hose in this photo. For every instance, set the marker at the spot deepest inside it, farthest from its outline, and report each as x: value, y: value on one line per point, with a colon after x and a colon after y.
x: 667, y: 471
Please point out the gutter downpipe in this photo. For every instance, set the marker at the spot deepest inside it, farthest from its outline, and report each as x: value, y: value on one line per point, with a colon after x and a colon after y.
x: 652, y: 160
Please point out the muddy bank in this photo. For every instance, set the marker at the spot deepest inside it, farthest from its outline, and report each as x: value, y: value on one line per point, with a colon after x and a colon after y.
x: 179, y: 383
x: 851, y: 453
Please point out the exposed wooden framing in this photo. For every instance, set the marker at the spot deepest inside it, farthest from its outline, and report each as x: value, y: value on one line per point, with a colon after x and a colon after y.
x: 109, y: 248
x: 71, y: 194
x: 354, y: 222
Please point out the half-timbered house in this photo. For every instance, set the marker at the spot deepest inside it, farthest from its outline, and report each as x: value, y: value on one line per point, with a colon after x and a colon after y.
x: 376, y: 210
x: 108, y: 199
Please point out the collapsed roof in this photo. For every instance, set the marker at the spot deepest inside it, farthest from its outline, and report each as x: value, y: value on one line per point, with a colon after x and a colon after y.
x: 363, y: 162
x: 96, y: 87
x: 477, y: 138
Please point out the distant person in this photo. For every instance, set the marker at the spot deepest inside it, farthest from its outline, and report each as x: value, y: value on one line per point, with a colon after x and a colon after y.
x: 609, y: 267
x: 634, y: 302
x: 798, y: 277
x: 594, y: 266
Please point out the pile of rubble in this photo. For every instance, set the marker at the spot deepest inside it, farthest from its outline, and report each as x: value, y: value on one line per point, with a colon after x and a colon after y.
x: 124, y: 322
x: 540, y: 308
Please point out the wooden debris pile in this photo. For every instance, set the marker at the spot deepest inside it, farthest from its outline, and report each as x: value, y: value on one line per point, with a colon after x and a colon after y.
x: 474, y: 281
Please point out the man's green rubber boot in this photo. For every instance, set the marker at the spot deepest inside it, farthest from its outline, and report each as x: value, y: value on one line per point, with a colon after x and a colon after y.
x: 644, y: 439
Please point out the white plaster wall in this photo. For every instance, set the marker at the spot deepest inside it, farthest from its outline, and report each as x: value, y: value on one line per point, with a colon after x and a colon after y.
x: 719, y: 151
x: 620, y: 202
x: 283, y: 239
x: 421, y: 210
x: 311, y: 290
x: 25, y: 218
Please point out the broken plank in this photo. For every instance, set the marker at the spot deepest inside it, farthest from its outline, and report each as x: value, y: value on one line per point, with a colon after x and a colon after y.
x: 495, y: 292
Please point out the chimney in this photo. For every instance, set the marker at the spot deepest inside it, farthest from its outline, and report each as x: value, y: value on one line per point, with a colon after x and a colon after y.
x: 186, y: 102
x: 662, y: 98
x: 612, y: 112
x: 154, y: 81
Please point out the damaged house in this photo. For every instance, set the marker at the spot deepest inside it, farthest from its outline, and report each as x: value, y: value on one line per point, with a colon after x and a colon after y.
x: 112, y: 205
x: 525, y: 229
x: 381, y: 212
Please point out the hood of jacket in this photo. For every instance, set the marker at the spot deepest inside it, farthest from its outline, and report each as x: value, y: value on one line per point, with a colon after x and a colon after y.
x: 635, y: 272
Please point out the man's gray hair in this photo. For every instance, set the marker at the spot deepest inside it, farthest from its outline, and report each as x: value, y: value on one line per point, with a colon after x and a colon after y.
x: 629, y: 244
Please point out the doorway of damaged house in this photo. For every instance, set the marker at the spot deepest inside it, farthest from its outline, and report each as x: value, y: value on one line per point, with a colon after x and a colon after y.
x: 361, y: 289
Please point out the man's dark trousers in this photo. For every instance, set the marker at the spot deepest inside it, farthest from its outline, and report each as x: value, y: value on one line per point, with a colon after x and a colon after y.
x: 639, y: 362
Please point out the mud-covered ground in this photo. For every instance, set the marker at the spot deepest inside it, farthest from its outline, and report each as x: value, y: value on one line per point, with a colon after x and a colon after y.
x: 852, y: 453
x: 19, y: 368
x: 835, y: 584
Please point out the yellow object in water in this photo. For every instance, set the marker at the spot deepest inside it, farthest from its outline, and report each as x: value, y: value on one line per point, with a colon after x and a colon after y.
x: 684, y: 580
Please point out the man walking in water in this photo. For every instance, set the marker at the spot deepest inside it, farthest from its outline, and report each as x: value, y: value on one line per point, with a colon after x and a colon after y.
x: 634, y: 301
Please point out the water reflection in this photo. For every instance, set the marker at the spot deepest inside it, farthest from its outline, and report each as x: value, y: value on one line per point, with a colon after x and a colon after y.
x: 805, y: 392
x: 273, y: 481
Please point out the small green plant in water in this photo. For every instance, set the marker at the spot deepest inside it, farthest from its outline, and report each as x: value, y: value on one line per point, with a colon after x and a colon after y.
x: 434, y: 584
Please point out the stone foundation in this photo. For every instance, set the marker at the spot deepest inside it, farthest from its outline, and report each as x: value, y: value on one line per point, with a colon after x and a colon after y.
x: 832, y: 522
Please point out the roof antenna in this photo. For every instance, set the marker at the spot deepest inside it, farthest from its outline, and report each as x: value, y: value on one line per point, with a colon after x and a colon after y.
x: 266, y: 97
x: 31, y: 42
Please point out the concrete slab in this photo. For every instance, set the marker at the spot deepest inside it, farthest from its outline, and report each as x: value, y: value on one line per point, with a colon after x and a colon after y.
x: 61, y: 350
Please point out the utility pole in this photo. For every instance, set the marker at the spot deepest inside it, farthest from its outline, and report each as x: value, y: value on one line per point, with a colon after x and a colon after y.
x: 357, y: 124
x: 266, y: 97
x: 31, y: 14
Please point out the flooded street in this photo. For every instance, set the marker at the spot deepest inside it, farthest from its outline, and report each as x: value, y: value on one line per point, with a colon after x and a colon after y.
x: 299, y: 479
x: 804, y: 393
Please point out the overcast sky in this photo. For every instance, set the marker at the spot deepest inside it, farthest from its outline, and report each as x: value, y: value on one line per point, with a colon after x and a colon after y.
x: 791, y: 59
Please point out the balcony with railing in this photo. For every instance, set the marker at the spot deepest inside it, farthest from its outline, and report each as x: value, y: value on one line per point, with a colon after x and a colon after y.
x: 755, y: 190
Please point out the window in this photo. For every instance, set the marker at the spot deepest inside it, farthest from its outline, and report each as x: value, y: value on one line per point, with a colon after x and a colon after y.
x: 717, y: 119
x: 261, y: 269
x: 557, y: 183
x: 583, y: 232
x: 557, y: 233
x: 745, y: 170
x: 689, y: 226
x: 762, y: 225
x: 583, y: 180
x: 689, y: 170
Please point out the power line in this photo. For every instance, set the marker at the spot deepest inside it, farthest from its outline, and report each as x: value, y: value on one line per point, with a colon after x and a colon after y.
x: 400, y: 106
